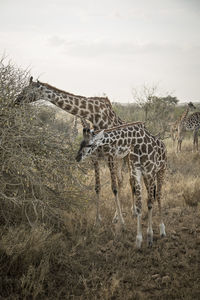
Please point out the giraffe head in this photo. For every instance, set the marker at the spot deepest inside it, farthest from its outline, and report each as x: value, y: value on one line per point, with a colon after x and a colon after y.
x: 191, y: 106
x: 30, y: 93
x: 90, y: 143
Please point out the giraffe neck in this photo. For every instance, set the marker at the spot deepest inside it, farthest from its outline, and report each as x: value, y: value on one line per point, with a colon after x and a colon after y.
x: 184, y: 116
x: 96, y: 110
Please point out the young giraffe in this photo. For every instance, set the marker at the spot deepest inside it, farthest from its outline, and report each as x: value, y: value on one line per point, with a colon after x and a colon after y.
x: 97, y: 110
x: 174, y: 126
x: 147, y: 159
x: 191, y: 123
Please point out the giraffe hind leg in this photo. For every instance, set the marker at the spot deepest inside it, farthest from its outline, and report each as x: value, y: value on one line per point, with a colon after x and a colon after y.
x: 151, y: 191
x: 160, y: 179
x: 135, y: 182
x: 195, y: 139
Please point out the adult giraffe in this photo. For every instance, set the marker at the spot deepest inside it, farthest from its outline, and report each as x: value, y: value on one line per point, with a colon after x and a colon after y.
x: 97, y: 110
x: 192, y: 123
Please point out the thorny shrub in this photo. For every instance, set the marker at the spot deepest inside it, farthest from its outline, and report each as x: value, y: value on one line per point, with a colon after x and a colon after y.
x: 39, y: 177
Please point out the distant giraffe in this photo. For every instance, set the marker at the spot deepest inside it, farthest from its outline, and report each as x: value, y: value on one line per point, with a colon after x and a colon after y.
x: 175, y: 127
x: 180, y: 125
x: 97, y: 110
x: 191, y: 123
x: 147, y: 158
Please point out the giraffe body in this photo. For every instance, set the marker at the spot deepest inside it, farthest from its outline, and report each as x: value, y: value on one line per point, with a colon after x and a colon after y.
x: 97, y: 110
x: 192, y: 123
x: 147, y: 159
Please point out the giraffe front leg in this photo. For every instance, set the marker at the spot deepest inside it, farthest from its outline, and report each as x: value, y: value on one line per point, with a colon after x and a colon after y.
x: 151, y: 191
x: 195, y: 139
x: 115, y: 192
x: 149, y: 228
x: 118, y: 166
x: 97, y: 190
x: 138, y: 241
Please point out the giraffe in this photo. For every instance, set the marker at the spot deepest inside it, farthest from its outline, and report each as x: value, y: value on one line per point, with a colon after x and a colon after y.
x: 147, y: 159
x: 192, y: 123
x: 97, y: 110
x: 179, y: 132
x: 174, y: 125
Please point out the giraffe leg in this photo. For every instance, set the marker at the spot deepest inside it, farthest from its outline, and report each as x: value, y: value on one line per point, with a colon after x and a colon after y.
x: 179, y: 144
x: 195, y: 139
x: 160, y: 179
x: 132, y: 184
x: 120, y: 185
x: 180, y: 137
x: 115, y: 191
x: 136, y: 190
x: 97, y: 190
x: 151, y: 187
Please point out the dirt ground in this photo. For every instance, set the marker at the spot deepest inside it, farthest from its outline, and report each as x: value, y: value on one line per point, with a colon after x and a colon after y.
x: 168, y: 270
x: 83, y: 261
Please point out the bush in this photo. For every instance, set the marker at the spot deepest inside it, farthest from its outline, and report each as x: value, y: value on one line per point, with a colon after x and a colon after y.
x: 39, y: 176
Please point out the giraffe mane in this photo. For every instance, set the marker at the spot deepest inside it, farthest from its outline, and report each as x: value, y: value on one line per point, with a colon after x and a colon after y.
x: 70, y: 94
x: 59, y: 90
x: 120, y: 126
x: 101, y: 98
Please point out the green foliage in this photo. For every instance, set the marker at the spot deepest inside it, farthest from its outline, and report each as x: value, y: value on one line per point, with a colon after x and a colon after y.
x: 156, y: 112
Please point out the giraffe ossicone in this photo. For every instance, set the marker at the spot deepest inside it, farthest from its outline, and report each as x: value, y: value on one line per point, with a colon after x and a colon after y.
x: 147, y: 159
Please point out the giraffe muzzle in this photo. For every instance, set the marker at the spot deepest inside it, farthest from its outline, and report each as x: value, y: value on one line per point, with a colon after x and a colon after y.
x: 79, y: 157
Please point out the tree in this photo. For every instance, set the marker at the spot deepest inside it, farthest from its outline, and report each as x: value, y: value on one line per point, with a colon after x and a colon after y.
x: 157, y: 109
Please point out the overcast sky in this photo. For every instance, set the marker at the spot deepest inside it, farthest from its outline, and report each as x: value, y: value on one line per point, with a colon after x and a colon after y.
x: 91, y: 47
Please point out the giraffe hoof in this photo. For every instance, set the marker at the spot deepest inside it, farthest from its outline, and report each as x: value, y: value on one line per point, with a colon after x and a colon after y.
x: 162, y: 230
x: 149, y: 241
x: 163, y: 235
x: 149, y: 244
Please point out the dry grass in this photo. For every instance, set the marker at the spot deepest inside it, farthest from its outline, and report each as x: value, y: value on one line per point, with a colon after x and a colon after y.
x: 49, y: 246
x: 80, y: 261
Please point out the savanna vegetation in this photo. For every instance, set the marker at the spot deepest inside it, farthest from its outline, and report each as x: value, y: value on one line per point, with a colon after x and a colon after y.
x: 49, y: 245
